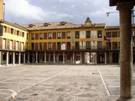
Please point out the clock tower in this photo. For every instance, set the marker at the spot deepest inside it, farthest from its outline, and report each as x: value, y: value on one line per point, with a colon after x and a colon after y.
x: 1, y: 10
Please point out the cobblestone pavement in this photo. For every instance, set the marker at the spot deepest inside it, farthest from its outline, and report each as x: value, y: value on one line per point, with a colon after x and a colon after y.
x: 60, y: 83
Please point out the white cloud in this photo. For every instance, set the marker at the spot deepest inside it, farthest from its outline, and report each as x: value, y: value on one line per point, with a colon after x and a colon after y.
x: 27, y: 11
x: 22, y: 8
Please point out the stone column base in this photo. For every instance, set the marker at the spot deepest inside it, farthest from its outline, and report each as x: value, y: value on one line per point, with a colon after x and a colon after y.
x: 124, y: 99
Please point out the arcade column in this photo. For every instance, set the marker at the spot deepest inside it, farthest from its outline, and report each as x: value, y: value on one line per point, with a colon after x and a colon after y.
x: 125, y: 10
x: 0, y: 58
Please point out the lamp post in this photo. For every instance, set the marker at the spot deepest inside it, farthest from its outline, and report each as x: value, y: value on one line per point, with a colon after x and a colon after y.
x: 125, y: 9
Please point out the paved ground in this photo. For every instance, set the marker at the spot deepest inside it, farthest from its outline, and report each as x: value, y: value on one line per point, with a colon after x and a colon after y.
x: 60, y: 83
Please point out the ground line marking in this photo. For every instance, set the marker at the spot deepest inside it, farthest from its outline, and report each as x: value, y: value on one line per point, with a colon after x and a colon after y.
x: 56, y: 74
x: 107, y: 91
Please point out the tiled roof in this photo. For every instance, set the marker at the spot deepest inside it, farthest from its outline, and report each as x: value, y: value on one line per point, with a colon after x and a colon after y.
x: 59, y: 25
x: 52, y: 25
x: 112, y: 27
x: 14, y: 25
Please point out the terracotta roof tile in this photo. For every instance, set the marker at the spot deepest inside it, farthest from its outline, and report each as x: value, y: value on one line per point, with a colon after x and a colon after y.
x: 52, y: 25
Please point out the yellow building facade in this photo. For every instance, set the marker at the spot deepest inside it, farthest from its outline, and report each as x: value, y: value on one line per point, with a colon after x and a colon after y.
x: 60, y: 43
x: 13, y: 40
x: 65, y: 42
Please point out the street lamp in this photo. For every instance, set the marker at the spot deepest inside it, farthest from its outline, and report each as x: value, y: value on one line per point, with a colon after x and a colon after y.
x: 112, y: 12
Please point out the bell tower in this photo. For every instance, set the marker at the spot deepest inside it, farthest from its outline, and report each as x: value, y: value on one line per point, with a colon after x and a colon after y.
x: 1, y: 10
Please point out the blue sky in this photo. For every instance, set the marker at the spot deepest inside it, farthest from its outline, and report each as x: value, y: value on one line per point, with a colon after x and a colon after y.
x: 76, y: 11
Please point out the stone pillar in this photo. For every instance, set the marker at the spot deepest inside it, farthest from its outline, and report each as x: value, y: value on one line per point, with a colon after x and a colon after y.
x: 73, y: 58
x: 110, y: 58
x: 24, y: 58
x: 36, y: 57
x: 0, y: 58
x: 105, y: 58
x: 49, y: 58
x: 13, y: 58
x: 81, y: 57
x: 96, y: 58
x: 45, y: 57
x: 57, y: 58
x: 54, y: 58
x: 7, y: 58
x: 19, y: 61
x: 125, y: 50
x: 28, y: 61
x: 63, y: 58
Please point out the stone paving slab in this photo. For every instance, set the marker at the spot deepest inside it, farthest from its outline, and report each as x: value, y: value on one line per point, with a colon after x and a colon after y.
x: 60, y: 83
x: 111, y: 78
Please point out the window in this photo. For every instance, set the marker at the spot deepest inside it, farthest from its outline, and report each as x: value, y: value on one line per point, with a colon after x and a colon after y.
x: 1, y: 30
x: 32, y: 46
x: 14, y: 45
x: 88, y: 34
x: 114, y: 34
x: 68, y: 45
x: 99, y: 44
x: 12, y: 31
x: 22, y: 34
x: 11, y: 45
x: 4, y: 44
x: 108, y: 45
x: 108, y: 34
x: 77, y: 34
x: 82, y: 45
x: 59, y: 46
x: 99, y: 34
x: 45, y: 46
x: 41, y: 46
x: 68, y: 35
x: 54, y: 35
x: 49, y: 45
x: 17, y: 45
x: 18, y: 32
x: 94, y: 44
x: 63, y: 46
x: 77, y: 45
x: 54, y: 46
x: 118, y: 45
x: 88, y: 45
x: 32, y: 36
x: 45, y: 35
x: 63, y: 35
x: 36, y: 46
x: 114, y: 45
x: 7, y: 44
x: 37, y: 36
x: 41, y: 36
x: 59, y: 35
x: 5, y: 29
x: 50, y: 35
x: 22, y: 46
x: 118, y: 34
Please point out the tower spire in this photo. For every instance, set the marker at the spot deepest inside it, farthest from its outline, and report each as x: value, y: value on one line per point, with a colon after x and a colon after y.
x: 2, y: 10
x: 88, y: 22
